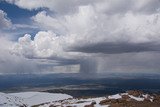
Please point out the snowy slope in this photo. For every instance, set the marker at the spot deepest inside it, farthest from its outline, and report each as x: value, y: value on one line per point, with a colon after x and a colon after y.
x: 34, y: 98
x: 10, y: 100
x: 29, y: 98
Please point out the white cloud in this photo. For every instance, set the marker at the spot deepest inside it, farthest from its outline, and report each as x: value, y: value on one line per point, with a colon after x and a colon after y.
x: 17, y: 57
x: 4, y: 21
x: 27, y: 4
x: 89, y: 26
x: 10, y: 63
x: 25, y: 46
x: 50, y: 23
x: 123, y: 6
x: 98, y: 21
x: 108, y: 6
x: 58, y: 6
x: 45, y: 44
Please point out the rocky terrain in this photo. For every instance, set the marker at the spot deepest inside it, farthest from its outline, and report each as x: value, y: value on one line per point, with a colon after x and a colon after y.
x: 128, y: 99
x: 131, y: 98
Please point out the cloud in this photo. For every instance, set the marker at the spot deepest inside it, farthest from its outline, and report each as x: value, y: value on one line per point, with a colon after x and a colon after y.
x: 57, y: 6
x: 4, y: 21
x: 109, y: 6
x: 88, y: 31
x: 20, y: 58
x: 92, y: 35
x: 92, y: 21
x: 52, y: 24
x: 117, y: 48
x: 10, y: 63
x: 129, y: 62
x: 91, y: 25
x: 45, y: 44
x: 123, y: 6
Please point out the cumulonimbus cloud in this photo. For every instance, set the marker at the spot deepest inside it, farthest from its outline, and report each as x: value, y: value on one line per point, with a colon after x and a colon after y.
x: 91, y: 30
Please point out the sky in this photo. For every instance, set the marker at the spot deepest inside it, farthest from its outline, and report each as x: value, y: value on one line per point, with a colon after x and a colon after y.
x: 79, y: 36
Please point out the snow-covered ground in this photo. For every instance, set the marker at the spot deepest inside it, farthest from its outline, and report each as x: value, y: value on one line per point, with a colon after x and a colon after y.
x: 29, y: 98
x: 10, y: 101
x: 42, y: 99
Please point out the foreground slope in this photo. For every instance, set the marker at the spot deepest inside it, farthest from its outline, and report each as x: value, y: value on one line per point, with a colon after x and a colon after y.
x: 41, y: 99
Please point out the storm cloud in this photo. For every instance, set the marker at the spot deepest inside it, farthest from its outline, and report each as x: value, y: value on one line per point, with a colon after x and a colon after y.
x: 117, y: 48
x: 87, y: 36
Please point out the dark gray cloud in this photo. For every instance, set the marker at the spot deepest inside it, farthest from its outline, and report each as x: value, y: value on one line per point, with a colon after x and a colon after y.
x: 64, y: 61
x: 116, y: 48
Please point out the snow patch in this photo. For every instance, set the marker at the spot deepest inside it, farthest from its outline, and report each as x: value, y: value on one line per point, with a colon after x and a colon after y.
x: 116, y: 96
x: 136, y: 98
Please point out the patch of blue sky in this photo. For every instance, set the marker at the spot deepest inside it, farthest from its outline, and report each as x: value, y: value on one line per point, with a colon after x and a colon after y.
x: 16, y: 14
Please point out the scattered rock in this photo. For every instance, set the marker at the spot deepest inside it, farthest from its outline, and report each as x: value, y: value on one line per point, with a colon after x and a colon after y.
x: 105, y: 102
x: 135, y: 93
x: 91, y: 105
x: 156, y: 98
x: 121, y: 100
x: 114, y: 100
x: 81, y: 102
x: 125, y: 97
x: 52, y: 106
